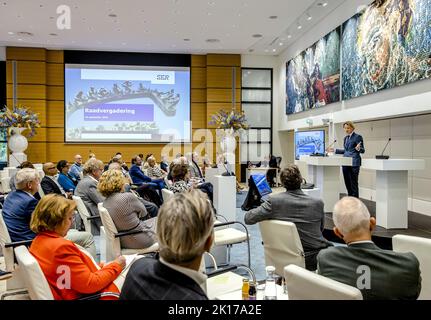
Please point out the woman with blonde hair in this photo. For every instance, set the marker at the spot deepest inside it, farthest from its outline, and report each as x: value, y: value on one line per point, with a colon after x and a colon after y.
x: 127, y: 211
x: 79, y: 275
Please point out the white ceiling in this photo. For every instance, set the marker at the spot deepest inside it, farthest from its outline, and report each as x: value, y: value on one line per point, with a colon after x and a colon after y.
x: 162, y: 25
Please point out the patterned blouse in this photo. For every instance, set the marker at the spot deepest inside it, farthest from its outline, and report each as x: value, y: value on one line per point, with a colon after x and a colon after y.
x: 154, y: 172
x: 179, y: 186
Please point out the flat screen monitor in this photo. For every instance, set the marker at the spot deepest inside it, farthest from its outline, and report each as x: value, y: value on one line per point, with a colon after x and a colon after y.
x: 261, y: 184
x: 309, y: 142
x: 127, y: 104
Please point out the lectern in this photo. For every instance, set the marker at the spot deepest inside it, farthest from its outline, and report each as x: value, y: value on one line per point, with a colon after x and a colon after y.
x: 325, y: 172
x: 392, y: 189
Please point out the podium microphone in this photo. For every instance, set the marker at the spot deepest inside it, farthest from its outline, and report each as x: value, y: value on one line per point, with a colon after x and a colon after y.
x: 330, y: 146
x: 381, y: 156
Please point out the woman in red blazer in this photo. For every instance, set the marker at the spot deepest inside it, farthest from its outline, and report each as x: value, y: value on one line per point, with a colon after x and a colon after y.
x: 71, y: 273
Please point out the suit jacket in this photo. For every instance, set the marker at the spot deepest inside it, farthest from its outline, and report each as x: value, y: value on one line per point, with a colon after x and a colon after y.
x: 49, y: 186
x: 195, y: 171
x: 52, y: 251
x: 297, y: 207
x: 17, y: 210
x: 149, y: 279
x: 138, y: 176
x: 393, y: 275
x: 350, y: 151
x: 87, y: 190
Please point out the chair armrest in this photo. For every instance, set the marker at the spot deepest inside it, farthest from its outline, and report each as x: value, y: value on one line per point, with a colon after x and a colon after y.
x: 18, y: 243
x: 221, y: 216
x: 127, y: 233
x: 233, y: 222
x: 93, y: 217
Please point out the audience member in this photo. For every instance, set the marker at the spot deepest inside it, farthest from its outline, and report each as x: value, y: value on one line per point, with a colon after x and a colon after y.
x: 127, y: 212
x: 19, y: 206
x: 50, y: 183
x: 64, y: 179
x: 195, y: 171
x: 51, y: 221
x: 153, y: 170
x: 297, y: 207
x: 87, y: 190
x: 76, y: 168
x: 378, y: 274
x: 175, y: 276
x: 181, y: 181
x: 164, y: 165
x: 12, y: 181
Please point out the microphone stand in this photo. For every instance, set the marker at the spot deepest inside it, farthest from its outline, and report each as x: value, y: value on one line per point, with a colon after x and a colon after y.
x: 381, y: 156
x: 326, y: 153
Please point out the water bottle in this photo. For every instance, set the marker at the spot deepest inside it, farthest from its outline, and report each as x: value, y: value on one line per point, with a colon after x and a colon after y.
x: 270, y: 285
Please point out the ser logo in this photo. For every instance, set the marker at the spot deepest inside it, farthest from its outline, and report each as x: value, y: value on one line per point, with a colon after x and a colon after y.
x: 162, y: 77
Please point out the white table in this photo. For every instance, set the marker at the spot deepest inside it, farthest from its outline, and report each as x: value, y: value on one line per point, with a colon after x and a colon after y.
x: 237, y: 294
x: 223, y: 284
x: 325, y: 173
x: 210, y: 173
x: 392, y: 189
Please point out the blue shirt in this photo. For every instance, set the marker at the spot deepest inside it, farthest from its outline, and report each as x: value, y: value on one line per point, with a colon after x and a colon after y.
x: 66, y: 183
x: 75, y: 170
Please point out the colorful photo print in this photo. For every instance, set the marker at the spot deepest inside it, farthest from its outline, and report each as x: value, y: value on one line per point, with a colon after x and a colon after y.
x: 313, y: 77
x: 385, y: 46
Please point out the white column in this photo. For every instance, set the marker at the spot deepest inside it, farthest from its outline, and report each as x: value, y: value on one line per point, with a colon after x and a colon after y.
x: 391, y: 199
x: 225, y: 196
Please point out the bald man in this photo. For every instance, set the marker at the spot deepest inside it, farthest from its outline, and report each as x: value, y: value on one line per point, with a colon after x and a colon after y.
x: 379, y: 274
x: 76, y: 168
x: 49, y: 182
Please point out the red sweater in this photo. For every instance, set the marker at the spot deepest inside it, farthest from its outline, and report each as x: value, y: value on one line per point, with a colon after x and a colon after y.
x: 70, y: 272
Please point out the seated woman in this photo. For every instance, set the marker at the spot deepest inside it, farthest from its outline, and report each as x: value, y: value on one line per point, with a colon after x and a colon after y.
x: 175, y: 276
x: 153, y: 171
x: 181, y: 181
x: 51, y: 220
x: 64, y: 179
x: 127, y: 211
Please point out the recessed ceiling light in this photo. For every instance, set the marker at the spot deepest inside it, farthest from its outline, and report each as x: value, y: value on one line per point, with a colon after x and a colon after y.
x: 186, y: 39
x: 289, y: 36
x: 322, y: 4
x: 309, y: 17
x: 112, y: 15
x: 19, y: 39
x: 299, y: 27
x: 213, y: 40
x: 273, y: 50
x: 273, y: 17
x: 257, y: 35
x: 10, y: 32
x: 53, y: 34
x: 280, y: 44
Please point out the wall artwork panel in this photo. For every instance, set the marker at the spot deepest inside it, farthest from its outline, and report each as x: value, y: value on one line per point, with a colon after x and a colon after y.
x: 385, y: 46
x: 313, y: 77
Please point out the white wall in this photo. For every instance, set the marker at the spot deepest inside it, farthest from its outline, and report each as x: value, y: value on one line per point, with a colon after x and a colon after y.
x: 411, y: 136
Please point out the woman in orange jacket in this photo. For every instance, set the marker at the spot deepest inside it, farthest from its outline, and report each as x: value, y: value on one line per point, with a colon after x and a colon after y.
x: 71, y: 273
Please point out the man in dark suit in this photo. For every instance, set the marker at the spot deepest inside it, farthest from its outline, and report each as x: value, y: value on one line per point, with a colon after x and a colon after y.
x: 295, y: 206
x: 353, y: 147
x: 49, y: 182
x: 176, y: 275
x: 378, y: 274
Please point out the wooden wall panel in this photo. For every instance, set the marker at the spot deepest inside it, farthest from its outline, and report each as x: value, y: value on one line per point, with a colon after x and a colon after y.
x: 199, y: 115
x: 25, y: 54
x: 55, y: 93
x: 55, y: 114
x: 199, y: 95
x: 222, y: 95
x: 55, y: 74
x: 27, y: 72
x: 221, y: 77
x: 224, y: 60
x: 55, y: 56
x: 36, y: 152
x: 198, y: 78
x: 28, y: 91
x: 199, y: 60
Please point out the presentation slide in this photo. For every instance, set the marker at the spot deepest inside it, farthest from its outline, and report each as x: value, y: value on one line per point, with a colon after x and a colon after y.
x: 309, y: 142
x: 127, y: 104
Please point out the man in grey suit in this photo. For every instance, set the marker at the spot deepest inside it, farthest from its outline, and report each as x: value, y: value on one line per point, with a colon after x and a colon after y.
x: 87, y: 190
x: 378, y: 274
x: 297, y: 207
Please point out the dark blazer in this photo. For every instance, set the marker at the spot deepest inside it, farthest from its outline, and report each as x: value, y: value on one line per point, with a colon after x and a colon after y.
x: 49, y: 186
x: 350, y: 151
x: 138, y: 176
x: 17, y: 210
x: 149, y: 279
x: 393, y: 275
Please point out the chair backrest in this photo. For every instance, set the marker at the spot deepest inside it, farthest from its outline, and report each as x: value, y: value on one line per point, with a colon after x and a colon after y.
x: 167, y: 194
x: 40, y: 191
x: 83, y: 212
x: 303, y: 284
x: 5, y: 184
x: 113, y: 246
x: 421, y: 248
x: 36, y: 283
x: 281, y: 244
x: 5, y: 238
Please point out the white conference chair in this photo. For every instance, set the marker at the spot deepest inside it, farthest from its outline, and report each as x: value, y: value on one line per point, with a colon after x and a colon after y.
x: 5, y: 184
x: 282, y: 245
x: 421, y: 248
x: 303, y: 284
x: 84, y: 214
x: 167, y: 194
x: 111, y: 246
x: 35, y: 281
